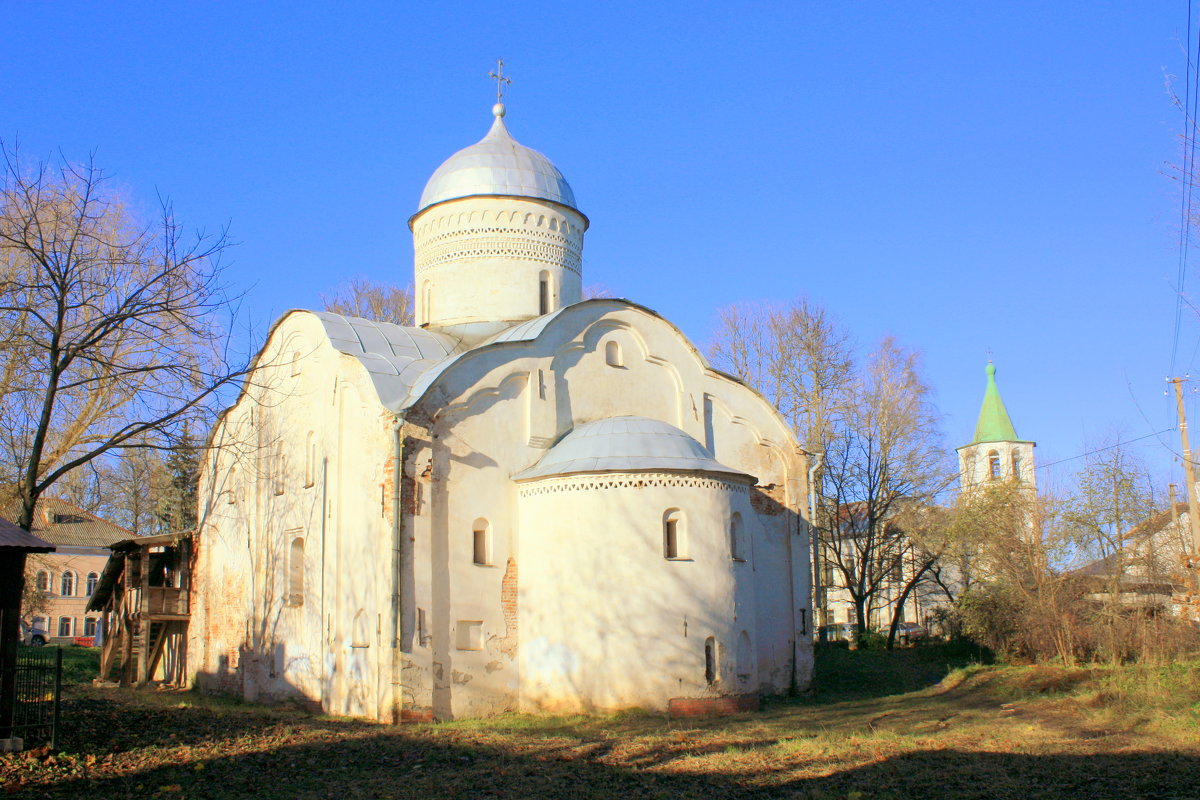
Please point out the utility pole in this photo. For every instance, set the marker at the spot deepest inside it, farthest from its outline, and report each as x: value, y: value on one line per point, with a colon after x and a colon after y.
x: 1189, y: 469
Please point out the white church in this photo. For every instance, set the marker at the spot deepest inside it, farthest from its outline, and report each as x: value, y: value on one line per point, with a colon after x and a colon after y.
x: 527, y: 502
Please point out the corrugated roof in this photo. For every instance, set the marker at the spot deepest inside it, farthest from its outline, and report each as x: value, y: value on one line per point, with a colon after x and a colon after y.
x: 66, y: 525
x: 13, y: 536
x: 626, y: 444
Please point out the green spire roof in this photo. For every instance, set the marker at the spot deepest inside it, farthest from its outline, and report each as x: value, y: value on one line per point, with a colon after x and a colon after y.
x: 994, y: 424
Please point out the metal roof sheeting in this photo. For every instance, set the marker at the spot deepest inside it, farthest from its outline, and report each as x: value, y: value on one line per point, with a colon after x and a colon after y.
x: 395, y: 356
x: 626, y: 444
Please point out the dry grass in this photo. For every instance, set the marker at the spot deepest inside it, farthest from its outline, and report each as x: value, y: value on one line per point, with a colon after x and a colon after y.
x: 982, y: 732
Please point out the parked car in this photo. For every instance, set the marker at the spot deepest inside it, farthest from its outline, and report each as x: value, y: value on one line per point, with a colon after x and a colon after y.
x: 32, y: 636
x: 910, y: 632
x: 840, y: 632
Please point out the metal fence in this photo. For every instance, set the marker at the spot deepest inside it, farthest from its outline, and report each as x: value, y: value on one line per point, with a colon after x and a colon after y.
x: 38, y: 691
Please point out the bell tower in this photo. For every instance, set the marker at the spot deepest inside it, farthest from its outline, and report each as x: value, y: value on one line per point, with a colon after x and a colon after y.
x: 995, y: 453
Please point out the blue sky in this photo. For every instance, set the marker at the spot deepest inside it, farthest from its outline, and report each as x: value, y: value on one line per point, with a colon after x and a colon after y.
x: 963, y: 176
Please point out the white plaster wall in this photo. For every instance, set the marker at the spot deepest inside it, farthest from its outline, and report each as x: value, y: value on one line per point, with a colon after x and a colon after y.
x: 607, y: 621
x: 497, y: 410
x: 313, y: 650
x: 478, y: 259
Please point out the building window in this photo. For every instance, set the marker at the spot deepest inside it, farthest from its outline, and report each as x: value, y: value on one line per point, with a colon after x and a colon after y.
x: 295, y: 363
x: 993, y: 466
x: 295, y: 573
x: 278, y: 468
x: 1016, y: 465
x: 68, y: 584
x: 711, y: 673
x: 735, y: 537
x: 468, y: 634
x: 481, y: 542
x: 231, y: 496
x: 422, y: 628
x: 544, y: 292
x: 674, y: 534
x: 43, y: 581
x: 310, y: 459
x: 39, y: 624
x: 427, y: 308
x: 89, y: 626
x: 92, y: 580
x: 64, y: 626
x: 612, y: 354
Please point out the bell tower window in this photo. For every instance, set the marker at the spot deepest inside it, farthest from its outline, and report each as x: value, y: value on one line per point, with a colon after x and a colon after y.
x: 544, y: 292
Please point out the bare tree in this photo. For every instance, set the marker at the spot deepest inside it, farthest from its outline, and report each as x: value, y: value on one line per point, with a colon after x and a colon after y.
x: 115, y: 332
x: 884, y: 457
x: 380, y: 302
x: 795, y: 355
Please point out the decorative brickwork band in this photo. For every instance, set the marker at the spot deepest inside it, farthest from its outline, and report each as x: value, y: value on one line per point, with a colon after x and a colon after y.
x: 585, y: 483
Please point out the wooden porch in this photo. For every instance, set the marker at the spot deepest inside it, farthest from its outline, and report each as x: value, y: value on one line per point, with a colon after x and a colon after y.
x: 144, y: 601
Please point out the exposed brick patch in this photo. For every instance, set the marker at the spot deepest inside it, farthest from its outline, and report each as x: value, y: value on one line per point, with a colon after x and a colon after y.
x: 768, y: 499
x: 416, y: 715
x: 508, y: 606
x: 710, y: 706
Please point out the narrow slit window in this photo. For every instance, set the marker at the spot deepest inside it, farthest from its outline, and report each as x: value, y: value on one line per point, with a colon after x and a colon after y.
x: 310, y: 460
x: 674, y: 544
x: 544, y: 293
x: 481, y: 542
x: 295, y: 594
x: 710, y: 661
x: 278, y: 470
x: 1016, y: 465
x: 295, y: 363
x: 735, y: 537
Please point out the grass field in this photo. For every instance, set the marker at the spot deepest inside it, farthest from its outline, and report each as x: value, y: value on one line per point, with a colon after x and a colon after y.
x: 910, y: 724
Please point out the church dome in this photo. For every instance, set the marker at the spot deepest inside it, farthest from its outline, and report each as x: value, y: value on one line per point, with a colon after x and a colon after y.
x: 497, y: 165
x: 625, y: 444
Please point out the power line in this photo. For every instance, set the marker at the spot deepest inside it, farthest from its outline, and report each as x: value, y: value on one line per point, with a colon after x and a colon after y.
x: 1191, y: 79
x: 1107, y: 447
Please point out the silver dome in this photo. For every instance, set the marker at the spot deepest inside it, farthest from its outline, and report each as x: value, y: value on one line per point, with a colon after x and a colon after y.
x: 497, y: 165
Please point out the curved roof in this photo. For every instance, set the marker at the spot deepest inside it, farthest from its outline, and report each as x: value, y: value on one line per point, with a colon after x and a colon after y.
x: 497, y: 165
x: 625, y: 444
x: 396, y: 356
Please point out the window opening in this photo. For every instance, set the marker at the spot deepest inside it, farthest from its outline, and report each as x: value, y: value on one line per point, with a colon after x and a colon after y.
x: 64, y: 626
x: 295, y: 363
x: 710, y: 661
x: 1016, y: 465
x: 993, y: 465
x: 278, y: 468
x: 673, y: 534
x: 43, y: 581
x: 92, y: 580
x: 89, y: 626
x: 481, y: 539
x: 544, y: 293
x: 612, y: 354
x: 295, y: 594
x: 310, y: 460
x: 735, y: 537
x: 68, y: 584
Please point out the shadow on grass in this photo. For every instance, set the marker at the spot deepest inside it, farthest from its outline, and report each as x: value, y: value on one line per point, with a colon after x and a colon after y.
x: 841, y: 674
x: 394, y: 763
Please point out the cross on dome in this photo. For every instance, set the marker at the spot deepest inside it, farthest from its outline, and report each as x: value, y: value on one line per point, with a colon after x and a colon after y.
x: 501, y: 80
